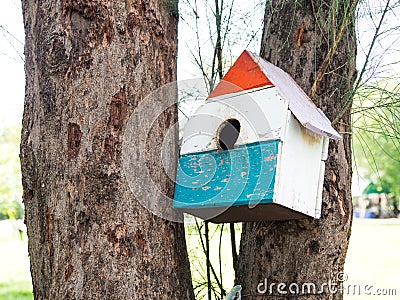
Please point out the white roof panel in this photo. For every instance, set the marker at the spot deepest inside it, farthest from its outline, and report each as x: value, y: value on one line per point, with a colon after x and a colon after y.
x: 305, y: 111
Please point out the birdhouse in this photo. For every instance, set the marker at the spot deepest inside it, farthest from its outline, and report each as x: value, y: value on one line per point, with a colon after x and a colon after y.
x: 255, y: 150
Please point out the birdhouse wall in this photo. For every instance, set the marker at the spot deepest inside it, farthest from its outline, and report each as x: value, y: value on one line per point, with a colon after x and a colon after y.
x: 300, y: 167
x: 261, y: 112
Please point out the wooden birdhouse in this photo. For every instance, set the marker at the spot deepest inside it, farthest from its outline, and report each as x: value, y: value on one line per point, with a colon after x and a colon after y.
x: 255, y: 150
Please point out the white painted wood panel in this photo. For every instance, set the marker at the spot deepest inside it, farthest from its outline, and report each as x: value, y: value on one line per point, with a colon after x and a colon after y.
x: 261, y: 113
x: 299, y: 169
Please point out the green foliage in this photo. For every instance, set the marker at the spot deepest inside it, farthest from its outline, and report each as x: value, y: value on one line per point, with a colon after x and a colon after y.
x: 377, y: 133
x: 10, y: 174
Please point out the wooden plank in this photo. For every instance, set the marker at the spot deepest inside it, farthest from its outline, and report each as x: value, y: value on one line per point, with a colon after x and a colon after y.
x: 262, y: 212
x: 262, y: 115
x: 240, y: 176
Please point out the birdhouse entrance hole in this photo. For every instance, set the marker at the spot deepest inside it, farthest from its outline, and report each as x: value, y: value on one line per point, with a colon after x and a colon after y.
x: 228, y: 133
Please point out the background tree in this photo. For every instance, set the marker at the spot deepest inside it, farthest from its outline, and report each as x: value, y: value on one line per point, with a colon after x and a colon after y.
x: 88, y: 65
x: 315, y: 42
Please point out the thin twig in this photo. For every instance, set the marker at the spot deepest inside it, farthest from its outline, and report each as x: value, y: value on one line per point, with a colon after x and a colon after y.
x: 233, y: 246
x: 208, y: 260
x: 348, y: 103
x: 332, y: 50
x: 204, y: 251
x: 220, y: 256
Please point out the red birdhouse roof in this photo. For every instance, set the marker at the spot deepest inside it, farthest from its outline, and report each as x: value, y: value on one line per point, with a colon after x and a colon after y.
x: 251, y: 71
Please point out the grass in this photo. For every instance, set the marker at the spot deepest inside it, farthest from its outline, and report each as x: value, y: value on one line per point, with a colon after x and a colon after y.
x: 373, y: 260
x: 15, y: 281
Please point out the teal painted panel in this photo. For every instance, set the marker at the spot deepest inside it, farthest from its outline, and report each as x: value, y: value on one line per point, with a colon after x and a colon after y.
x: 241, y: 176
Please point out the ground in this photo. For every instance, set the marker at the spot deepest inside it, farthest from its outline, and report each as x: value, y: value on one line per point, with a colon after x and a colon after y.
x: 15, y: 281
x: 373, y: 260
x: 372, y: 266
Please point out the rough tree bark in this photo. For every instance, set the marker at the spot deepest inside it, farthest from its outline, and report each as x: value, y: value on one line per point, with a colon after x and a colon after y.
x: 298, y: 36
x: 88, y: 65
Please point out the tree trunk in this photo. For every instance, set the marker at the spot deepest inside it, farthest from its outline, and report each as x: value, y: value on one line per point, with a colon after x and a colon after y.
x: 88, y: 65
x: 298, y: 36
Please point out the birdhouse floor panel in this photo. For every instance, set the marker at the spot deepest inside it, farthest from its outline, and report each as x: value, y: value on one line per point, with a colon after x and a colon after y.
x: 263, y: 212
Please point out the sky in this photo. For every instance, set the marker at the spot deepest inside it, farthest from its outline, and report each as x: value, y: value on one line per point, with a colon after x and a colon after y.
x: 12, y: 76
